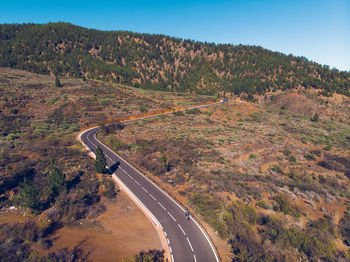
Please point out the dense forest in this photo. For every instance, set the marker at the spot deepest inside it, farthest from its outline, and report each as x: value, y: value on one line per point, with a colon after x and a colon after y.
x: 160, y: 62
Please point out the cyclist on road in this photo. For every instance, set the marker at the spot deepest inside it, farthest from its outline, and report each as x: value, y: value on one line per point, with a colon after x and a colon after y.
x: 187, y: 214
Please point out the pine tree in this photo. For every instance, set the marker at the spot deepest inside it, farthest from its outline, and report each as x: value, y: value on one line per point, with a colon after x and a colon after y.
x: 101, y: 162
x: 57, y: 181
x: 29, y: 196
x: 315, y: 117
x: 57, y: 82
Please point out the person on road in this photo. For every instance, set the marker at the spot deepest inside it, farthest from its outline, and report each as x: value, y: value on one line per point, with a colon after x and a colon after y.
x: 187, y: 214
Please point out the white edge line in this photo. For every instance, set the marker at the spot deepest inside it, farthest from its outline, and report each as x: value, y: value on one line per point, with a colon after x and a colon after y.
x: 155, y: 220
x: 160, y: 189
x: 149, y: 180
x: 150, y: 214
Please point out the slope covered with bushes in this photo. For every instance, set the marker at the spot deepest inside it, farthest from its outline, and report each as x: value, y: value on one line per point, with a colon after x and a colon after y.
x: 160, y: 62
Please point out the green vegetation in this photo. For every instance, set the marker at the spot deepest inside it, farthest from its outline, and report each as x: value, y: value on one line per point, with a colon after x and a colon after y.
x: 315, y: 117
x: 286, y: 207
x: 100, y: 162
x: 152, y: 255
x: 148, y: 61
x: 57, y: 82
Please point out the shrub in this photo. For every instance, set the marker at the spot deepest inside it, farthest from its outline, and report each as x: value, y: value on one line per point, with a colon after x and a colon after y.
x: 292, y: 159
x: 143, y: 109
x: 286, y: 152
x: 178, y: 113
x: 252, y: 156
x: 315, y: 117
x: 277, y: 169
x: 194, y: 111
x: 286, y: 207
x: 310, y: 157
x: 263, y: 205
x: 109, y: 186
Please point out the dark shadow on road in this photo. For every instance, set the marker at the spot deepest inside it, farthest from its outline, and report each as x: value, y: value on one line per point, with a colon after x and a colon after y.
x: 113, y: 168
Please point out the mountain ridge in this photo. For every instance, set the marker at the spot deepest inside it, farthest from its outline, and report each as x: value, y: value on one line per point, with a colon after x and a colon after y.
x: 161, y: 62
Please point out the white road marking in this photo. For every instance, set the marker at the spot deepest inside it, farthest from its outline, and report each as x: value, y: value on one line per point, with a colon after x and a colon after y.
x: 172, y: 258
x: 144, y: 189
x: 161, y: 205
x: 195, y: 259
x: 129, y: 176
x: 189, y: 243
x: 171, y: 216
x: 165, y: 233
x: 182, y: 229
x: 171, y: 251
x: 137, y: 183
x: 149, y: 180
x: 153, y: 197
x: 168, y: 241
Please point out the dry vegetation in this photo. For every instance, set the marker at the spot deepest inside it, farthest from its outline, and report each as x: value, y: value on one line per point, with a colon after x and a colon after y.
x: 269, y: 176
x: 44, y: 170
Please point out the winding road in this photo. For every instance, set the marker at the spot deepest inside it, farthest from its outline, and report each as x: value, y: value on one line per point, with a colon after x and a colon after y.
x: 186, y: 239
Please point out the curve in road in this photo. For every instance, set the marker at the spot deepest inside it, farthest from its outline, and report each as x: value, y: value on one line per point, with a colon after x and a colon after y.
x: 186, y: 239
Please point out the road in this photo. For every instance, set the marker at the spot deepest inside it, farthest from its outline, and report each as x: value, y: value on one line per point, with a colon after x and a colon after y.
x: 186, y: 239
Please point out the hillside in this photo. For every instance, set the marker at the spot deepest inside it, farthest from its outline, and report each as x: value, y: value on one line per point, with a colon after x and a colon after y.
x: 52, y: 201
x: 268, y: 177
x: 160, y: 62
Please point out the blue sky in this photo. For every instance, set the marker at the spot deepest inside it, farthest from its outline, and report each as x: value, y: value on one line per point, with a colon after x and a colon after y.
x: 317, y: 29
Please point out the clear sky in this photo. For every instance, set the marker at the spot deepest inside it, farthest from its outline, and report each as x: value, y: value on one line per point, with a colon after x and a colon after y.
x: 316, y: 29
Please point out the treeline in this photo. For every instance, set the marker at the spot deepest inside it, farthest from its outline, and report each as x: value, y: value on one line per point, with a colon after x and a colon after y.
x: 161, y: 62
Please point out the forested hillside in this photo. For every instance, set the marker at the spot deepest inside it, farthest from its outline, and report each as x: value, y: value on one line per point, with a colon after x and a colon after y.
x: 160, y: 62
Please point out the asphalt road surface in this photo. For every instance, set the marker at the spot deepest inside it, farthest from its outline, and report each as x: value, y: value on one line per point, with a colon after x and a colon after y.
x: 186, y: 239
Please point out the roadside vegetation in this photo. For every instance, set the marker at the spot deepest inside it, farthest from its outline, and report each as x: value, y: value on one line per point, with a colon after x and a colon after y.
x: 270, y: 177
x: 45, y: 173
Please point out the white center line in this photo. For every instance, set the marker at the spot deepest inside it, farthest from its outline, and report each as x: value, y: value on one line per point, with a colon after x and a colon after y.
x: 182, y: 229
x: 171, y: 216
x: 189, y: 243
x: 195, y: 259
x: 161, y: 205
x: 144, y: 189
x: 137, y: 183
x: 153, y: 197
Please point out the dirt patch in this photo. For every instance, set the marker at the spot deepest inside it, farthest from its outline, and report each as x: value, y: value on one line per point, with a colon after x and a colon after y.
x: 122, y: 231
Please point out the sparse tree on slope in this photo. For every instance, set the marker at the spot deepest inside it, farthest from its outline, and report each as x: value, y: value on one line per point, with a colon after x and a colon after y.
x: 101, y: 162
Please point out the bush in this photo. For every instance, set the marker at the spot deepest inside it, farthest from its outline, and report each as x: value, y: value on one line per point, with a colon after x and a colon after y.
x: 310, y: 157
x: 315, y: 117
x: 286, y: 152
x: 178, y: 113
x: 109, y: 186
x: 252, y: 156
x: 292, y: 159
x: 286, y: 207
x: 194, y: 111
x: 277, y: 169
x: 264, y: 205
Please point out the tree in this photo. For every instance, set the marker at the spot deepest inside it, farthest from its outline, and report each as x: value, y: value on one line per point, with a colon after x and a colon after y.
x: 101, y: 162
x: 57, y: 82
x: 315, y: 117
x: 57, y: 181
x: 29, y: 196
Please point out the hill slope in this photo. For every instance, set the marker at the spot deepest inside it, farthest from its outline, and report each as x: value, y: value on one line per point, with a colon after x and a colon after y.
x: 160, y: 62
